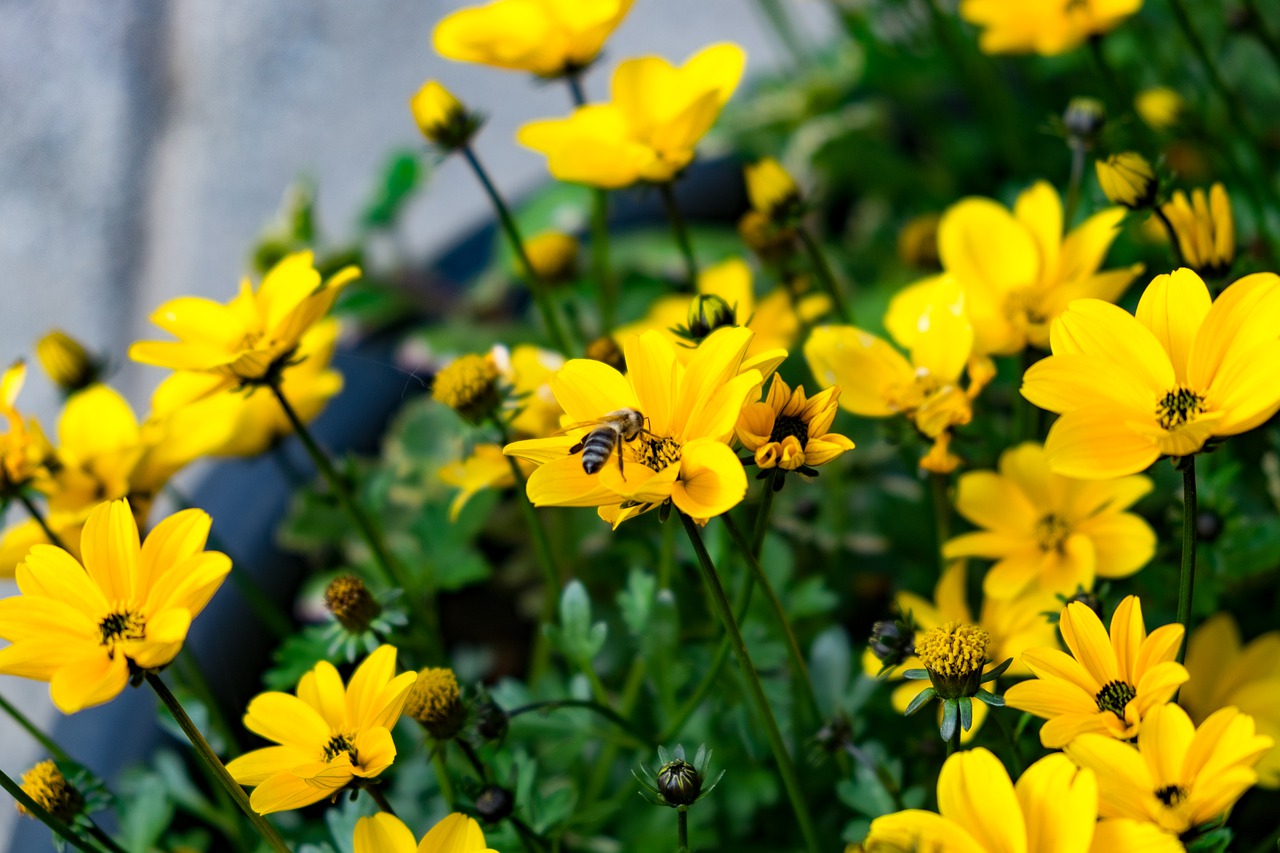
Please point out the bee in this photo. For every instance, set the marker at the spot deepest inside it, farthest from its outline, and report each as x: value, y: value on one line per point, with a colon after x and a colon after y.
x: 607, y: 435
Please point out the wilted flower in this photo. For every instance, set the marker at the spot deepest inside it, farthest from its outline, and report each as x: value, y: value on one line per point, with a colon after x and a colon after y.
x: 1083, y: 121
x: 469, y: 386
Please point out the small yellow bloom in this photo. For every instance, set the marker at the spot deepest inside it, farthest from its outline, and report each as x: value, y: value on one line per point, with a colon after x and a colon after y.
x: 878, y: 382
x: 1160, y: 108
x: 1046, y: 27
x: 1226, y: 672
x: 485, y: 468
x: 1050, y: 532
x: 1128, y: 180
x: 1205, y: 228
x: 1016, y: 269
x: 441, y: 117
x: 683, y: 457
x: 25, y: 453
x: 554, y: 256
x: 549, y: 38
x: 45, y: 784
x: 469, y: 385
x: 84, y: 628
x: 328, y: 734
x: 1178, y: 776
x: 649, y: 130
x: 1185, y: 369
x: 66, y: 361
x: 384, y: 833
x: 436, y: 703
x: 1107, y: 685
x: 772, y: 190
x: 789, y: 430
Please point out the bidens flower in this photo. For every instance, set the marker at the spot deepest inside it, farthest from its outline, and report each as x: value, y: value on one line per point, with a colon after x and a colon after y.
x: 789, y: 430
x: 1128, y: 180
x: 87, y: 629
x: 683, y: 454
x: 1050, y: 532
x: 384, y: 833
x: 1046, y: 27
x: 328, y: 735
x: 1184, y: 370
x: 1107, y: 685
x: 649, y: 130
x: 1205, y: 230
x: 254, y: 336
x: 549, y: 38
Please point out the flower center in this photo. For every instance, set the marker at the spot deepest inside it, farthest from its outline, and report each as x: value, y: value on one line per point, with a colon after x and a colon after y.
x: 1179, y: 408
x: 1171, y: 795
x: 1022, y: 307
x: 656, y: 453
x: 953, y: 654
x: 1114, y: 696
x: 1052, y: 532
x: 337, y: 745
x: 785, y: 425
x: 123, y: 625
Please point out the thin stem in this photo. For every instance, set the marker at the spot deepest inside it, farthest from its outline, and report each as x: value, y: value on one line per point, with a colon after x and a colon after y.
x: 682, y: 830
x: 826, y: 276
x: 680, y: 230
x: 509, y: 227
x: 938, y: 484
x: 1174, y: 244
x: 375, y: 793
x: 605, y: 281
x: 39, y: 812
x: 1187, y: 577
x: 762, y: 514
x: 1259, y: 30
x: 35, y: 513
x: 105, y: 840
x: 786, y: 769
x: 575, y: 89
x: 43, y: 739
x: 476, y: 763
x: 528, y: 837
x: 603, y: 710
x: 265, y: 829
x: 550, y: 577
x: 442, y: 774
x: 953, y: 742
x: 1074, y: 184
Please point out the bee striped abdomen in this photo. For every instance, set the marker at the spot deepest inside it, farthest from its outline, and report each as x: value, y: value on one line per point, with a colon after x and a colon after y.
x: 596, y: 448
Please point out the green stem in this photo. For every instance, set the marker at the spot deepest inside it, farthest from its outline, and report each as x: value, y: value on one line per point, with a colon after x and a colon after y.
x: 938, y: 484
x: 470, y: 754
x: 1187, y: 577
x: 541, y: 655
x: 762, y: 513
x: 35, y: 513
x: 1074, y: 185
x: 786, y: 769
x: 442, y: 775
x: 265, y: 829
x: 680, y: 230
x: 953, y: 742
x: 798, y: 665
x: 600, y: 270
x: 375, y: 793
x: 105, y: 840
x: 1174, y: 244
x: 394, y: 573
x: 39, y: 812
x: 825, y: 274
x: 509, y: 227
x: 43, y: 739
x: 682, y: 830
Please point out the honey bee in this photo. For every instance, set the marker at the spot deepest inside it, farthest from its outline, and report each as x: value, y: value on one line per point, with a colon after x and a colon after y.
x: 607, y: 436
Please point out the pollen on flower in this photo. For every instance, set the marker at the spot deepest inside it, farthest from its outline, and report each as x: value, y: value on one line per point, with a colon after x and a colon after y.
x: 1171, y: 795
x: 1179, y: 408
x: 954, y: 650
x: 468, y: 385
x: 122, y: 625
x: 45, y: 784
x: 351, y: 603
x: 656, y: 453
x: 1051, y: 532
x: 436, y: 703
x: 337, y: 745
x: 1115, y: 696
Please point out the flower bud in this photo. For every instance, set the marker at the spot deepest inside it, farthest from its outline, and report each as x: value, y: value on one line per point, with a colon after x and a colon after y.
x: 491, y: 721
x: 772, y: 190
x: 679, y: 782
x: 606, y: 351
x: 918, y: 242
x: 707, y: 313
x: 892, y: 642
x: 954, y: 655
x: 554, y: 257
x: 469, y: 385
x: 441, y: 117
x: 351, y: 603
x: 1160, y: 108
x: 1084, y: 119
x: 66, y: 361
x: 45, y: 784
x: 495, y: 803
x: 436, y: 703
x: 1128, y: 180
x: 1089, y: 600
x: 772, y: 243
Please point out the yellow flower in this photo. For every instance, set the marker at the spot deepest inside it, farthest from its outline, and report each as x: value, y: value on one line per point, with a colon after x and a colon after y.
x: 1013, y: 625
x: 683, y: 457
x: 83, y: 629
x: 1128, y: 180
x: 45, y: 784
x: 328, y: 734
x: 649, y: 130
x: 436, y: 703
x: 527, y: 370
x: 1107, y: 685
x: 1046, y: 27
x: 918, y: 242
x: 1178, y: 776
x: 485, y: 468
x: 1015, y: 268
x: 878, y: 382
x: 256, y: 334
x: 469, y: 385
x: 66, y: 361
x: 1205, y: 228
x: 1160, y: 108
x: 1050, y: 532
x: 1184, y: 370
x: 384, y: 833
x: 441, y: 118
x: 1225, y: 672
x: 789, y: 431
x: 24, y: 451
x: 554, y: 256
x: 544, y: 37
x: 772, y: 190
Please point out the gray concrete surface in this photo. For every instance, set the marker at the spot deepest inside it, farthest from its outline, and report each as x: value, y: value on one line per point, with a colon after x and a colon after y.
x: 145, y: 143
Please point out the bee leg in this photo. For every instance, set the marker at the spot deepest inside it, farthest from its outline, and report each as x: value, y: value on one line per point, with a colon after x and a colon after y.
x: 576, y: 448
x: 621, y: 472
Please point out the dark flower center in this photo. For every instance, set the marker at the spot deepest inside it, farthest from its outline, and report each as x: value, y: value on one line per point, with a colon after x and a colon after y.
x: 785, y: 425
x: 1171, y: 795
x: 125, y: 625
x: 1114, y: 696
x: 337, y: 745
x: 1179, y: 408
x: 1052, y: 532
x: 656, y: 453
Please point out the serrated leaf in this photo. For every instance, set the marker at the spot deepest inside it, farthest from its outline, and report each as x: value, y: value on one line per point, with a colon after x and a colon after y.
x: 637, y: 601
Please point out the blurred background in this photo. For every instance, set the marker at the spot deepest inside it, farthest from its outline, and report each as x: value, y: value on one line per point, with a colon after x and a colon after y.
x: 148, y: 143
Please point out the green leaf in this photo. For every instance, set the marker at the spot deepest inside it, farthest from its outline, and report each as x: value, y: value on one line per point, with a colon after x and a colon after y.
x: 401, y: 176
x: 830, y: 663
x: 145, y: 811
x: 1215, y: 841
x: 578, y: 638
x: 637, y: 601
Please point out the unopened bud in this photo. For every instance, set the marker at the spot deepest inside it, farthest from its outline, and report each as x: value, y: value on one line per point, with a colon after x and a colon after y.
x: 1128, y: 180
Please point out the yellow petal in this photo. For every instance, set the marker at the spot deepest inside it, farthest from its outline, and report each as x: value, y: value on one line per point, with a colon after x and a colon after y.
x: 1064, y: 383
x: 1087, y: 245
x: 715, y: 362
x: 1246, y: 388
x: 1039, y: 209
x: 562, y: 482
x: 1156, y: 687
x: 383, y: 833
x: 985, y: 248
x: 254, y: 768
x: 1163, y: 740
x: 1097, y: 329
x: 866, y: 367
x: 1174, y: 307
x: 974, y: 791
x: 1060, y: 804
x: 285, y: 791
x: 1124, y: 783
x: 994, y: 502
x: 42, y: 658
x: 1133, y: 836
x: 1095, y: 443
x: 1128, y: 632
x: 1123, y: 543
x: 110, y: 547
x: 651, y: 368
x: 1052, y: 664
x: 456, y: 833
x: 945, y: 337
x: 173, y: 540
x: 587, y: 389
x: 915, y: 829
x: 1049, y: 699
x: 1245, y: 315
x: 288, y: 721
x: 51, y: 572
x: 89, y: 682
x: 712, y: 480
x: 377, y: 752
x: 1088, y: 641
x: 367, y: 682
x: 718, y: 414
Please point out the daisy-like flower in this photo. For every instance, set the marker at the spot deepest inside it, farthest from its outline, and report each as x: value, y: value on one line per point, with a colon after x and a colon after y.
x: 1049, y: 531
x: 384, y: 833
x: 789, y: 430
x: 86, y: 628
x: 649, y: 130
x: 24, y: 451
x: 1178, y: 777
x: 1012, y: 625
x: 1016, y: 269
x: 1228, y: 672
x: 1107, y: 685
x: 1046, y: 27
x: 254, y: 336
x: 1052, y: 809
x: 1205, y: 230
x: 1185, y: 370
x: 682, y: 457
x: 549, y: 38
x: 878, y: 382
x: 328, y: 735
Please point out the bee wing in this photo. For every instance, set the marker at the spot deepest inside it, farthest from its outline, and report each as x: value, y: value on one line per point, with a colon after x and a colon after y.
x: 568, y: 428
